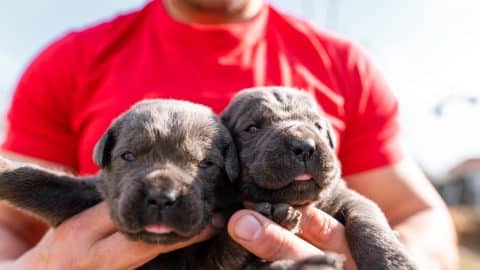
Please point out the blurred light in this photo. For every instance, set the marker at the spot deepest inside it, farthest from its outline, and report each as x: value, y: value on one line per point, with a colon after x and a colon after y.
x: 441, y: 106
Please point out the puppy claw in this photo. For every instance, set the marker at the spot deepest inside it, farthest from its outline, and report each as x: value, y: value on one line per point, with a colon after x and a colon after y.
x: 287, y: 216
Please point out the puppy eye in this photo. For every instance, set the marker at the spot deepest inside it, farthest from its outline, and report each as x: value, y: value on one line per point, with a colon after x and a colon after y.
x: 128, y: 156
x: 317, y: 125
x: 204, y: 164
x: 251, y: 129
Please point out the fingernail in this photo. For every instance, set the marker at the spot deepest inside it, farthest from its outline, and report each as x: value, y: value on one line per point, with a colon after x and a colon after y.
x: 248, y: 228
x: 218, y: 221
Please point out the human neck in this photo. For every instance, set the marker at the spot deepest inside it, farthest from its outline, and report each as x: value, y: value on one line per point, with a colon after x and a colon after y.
x: 223, y: 13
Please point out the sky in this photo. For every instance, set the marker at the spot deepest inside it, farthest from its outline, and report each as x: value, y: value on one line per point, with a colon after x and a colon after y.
x: 426, y: 49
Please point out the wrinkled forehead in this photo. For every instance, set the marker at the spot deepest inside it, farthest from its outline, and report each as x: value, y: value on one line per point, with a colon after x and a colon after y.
x: 279, y: 104
x: 169, y: 124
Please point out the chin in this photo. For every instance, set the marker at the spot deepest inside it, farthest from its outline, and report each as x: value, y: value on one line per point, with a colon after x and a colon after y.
x: 217, y: 4
x: 303, y: 193
x: 157, y: 239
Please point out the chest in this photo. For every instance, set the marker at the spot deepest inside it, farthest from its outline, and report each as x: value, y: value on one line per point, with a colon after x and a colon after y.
x: 110, y: 86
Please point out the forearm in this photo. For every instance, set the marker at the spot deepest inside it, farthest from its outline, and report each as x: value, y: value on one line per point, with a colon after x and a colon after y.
x: 429, y: 237
x: 415, y: 210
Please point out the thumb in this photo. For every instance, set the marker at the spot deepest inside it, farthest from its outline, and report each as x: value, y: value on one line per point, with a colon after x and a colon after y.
x: 266, y: 239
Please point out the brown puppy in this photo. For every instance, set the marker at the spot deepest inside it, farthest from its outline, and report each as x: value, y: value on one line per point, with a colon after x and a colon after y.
x: 165, y: 169
x: 287, y: 158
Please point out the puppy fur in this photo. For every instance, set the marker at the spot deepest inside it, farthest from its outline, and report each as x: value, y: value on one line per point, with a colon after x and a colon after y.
x: 281, y: 136
x: 163, y: 162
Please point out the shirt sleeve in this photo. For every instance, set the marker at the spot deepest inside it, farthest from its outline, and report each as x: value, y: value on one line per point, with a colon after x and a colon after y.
x: 372, y: 130
x: 39, y: 115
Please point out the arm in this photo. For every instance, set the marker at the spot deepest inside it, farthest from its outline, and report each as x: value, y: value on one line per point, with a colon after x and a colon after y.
x: 415, y: 210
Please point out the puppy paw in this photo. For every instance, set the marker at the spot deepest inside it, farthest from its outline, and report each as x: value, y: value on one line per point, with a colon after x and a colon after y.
x: 287, y: 216
x: 263, y: 208
x: 281, y: 213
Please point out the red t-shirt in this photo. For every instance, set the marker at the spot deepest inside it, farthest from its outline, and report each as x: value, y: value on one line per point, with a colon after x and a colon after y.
x: 71, y: 92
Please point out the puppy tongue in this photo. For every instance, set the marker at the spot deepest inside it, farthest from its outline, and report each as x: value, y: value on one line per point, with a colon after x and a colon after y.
x: 158, y: 228
x: 303, y: 177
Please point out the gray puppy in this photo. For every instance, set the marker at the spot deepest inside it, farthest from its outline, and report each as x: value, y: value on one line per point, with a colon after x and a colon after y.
x: 287, y: 158
x: 165, y: 169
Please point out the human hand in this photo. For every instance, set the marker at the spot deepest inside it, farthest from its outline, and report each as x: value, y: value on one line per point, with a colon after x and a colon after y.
x: 89, y: 240
x: 267, y: 240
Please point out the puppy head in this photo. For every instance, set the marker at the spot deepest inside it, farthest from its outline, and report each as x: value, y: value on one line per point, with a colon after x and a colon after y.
x: 161, y: 162
x: 285, y: 145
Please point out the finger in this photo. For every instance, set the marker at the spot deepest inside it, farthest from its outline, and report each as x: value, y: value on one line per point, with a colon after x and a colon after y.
x: 266, y: 239
x: 136, y: 254
x: 94, y: 223
x: 325, y: 232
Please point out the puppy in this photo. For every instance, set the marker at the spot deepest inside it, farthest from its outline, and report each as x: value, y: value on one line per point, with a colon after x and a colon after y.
x: 165, y: 169
x: 165, y: 166
x: 287, y: 158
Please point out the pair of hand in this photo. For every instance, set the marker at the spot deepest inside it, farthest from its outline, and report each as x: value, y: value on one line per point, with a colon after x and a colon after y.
x: 90, y: 241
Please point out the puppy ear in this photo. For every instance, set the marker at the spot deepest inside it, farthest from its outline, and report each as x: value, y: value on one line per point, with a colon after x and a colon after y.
x: 332, y: 138
x: 231, y: 161
x: 102, y: 153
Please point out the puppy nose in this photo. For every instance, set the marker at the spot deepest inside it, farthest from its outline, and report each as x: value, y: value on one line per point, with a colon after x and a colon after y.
x: 303, y: 149
x: 160, y: 197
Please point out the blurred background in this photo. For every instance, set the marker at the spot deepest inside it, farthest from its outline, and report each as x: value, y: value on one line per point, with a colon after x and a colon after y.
x: 428, y: 50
